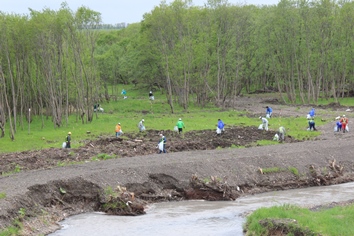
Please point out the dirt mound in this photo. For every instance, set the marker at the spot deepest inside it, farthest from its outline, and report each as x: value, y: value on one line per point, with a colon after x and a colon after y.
x: 134, y: 144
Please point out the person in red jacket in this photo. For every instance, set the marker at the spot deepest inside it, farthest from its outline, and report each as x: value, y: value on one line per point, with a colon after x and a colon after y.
x: 344, y: 120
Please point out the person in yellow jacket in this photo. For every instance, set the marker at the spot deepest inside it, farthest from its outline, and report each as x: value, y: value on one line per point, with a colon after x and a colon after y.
x: 118, y: 130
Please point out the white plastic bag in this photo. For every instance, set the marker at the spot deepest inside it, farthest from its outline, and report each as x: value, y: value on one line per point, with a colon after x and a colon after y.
x: 308, y: 116
x: 218, y: 131
x: 335, y: 129
x: 347, y: 128
x: 64, y: 145
x: 260, y: 127
x: 276, y: 137
x: 175, y: 128
x: 268, y: 116
x: 161, y: 145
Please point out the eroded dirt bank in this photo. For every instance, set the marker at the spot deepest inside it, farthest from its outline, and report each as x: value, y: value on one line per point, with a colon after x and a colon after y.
x: 42, y: 197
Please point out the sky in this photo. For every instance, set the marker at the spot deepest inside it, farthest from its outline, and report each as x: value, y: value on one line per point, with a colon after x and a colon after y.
x: 112, y: 11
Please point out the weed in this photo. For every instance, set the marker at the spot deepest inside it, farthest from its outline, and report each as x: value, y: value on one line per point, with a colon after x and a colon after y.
x: 62, y: 191
x: 22, y: 213
x: 294, y: 171
x: 272, y: 170
x: 17, y: 169
x: 2, y: 195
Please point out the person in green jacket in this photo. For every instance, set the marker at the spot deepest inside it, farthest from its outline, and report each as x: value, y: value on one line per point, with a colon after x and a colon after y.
x: 180, y: 125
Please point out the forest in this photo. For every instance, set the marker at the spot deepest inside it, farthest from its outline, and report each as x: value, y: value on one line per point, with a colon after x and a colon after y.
x: 54, y: 64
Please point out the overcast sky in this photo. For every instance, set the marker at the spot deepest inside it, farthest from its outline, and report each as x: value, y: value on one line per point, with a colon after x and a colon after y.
x: 112, y: 11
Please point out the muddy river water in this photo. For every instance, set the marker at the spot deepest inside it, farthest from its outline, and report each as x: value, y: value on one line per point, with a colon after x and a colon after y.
x: 198, y: 217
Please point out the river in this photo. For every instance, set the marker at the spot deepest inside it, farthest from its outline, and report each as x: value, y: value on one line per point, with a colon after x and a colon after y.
x: 198, y: 217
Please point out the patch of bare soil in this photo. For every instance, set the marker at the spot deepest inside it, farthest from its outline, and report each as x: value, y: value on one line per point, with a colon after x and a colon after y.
x: 53, y: 184
x: 136, y: 144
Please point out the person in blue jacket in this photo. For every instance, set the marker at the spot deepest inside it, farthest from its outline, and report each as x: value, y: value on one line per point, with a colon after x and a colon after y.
x: 312, y: 113
x: 339, y: 125
x: 269, y: 111
x: 220, y: 127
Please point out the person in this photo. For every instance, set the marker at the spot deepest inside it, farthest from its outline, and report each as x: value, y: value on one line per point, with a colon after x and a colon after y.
x: 220, y: 127
x: 68, y: 140
x: 312, y: 113
x: 281, y: 133
x: 162, y: 144
x: 269, y: 112
x: 151, y: 96
x: 97, y: 108
x: 312, y: 124
x: 264, y: 122
x: 338, y: 125
x: 344, y: 121
x: 141, y: 125
x: 124, y: 93
x: 180, y: 125
x: 118, y: 130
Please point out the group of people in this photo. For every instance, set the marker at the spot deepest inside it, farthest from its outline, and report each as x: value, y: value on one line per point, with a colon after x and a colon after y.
x: 341, y: 124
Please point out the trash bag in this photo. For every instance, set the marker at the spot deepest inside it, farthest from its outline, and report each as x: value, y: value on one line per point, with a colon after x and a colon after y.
x: 347, y: 128
x: 335, y: 128
x: 276, y: 137
x: 160, y: 145
x: 218, y: 131
x: 267, y: 116
x: 64, y: 145
x: 260, y: 126
x: 152, y: 98
x: 308, y: 116
x: 175, y: 128
x: 142, y: 128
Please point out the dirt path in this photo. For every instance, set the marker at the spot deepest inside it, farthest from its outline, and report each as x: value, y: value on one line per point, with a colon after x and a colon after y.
x: 51, y: 192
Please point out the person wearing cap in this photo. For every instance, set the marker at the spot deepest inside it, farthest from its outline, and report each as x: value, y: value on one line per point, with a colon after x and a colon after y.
x: 162, y: 144
x: 118, y: 130
x: 141, y: 125
x: 264, y: 122
x: 344, y: 121
x: 180, y: 125
x: 68, y: 140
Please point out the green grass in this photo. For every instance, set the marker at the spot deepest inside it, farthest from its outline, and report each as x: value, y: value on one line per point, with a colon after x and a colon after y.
x: 2, y: 195
x: 294, y: 171
x: 129, y: 112
x: 329, y: 222
x: 272, y: 170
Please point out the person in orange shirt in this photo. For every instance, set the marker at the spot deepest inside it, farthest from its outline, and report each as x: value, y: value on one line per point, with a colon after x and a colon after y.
x: 118, y: 130
x: 344, y: 122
